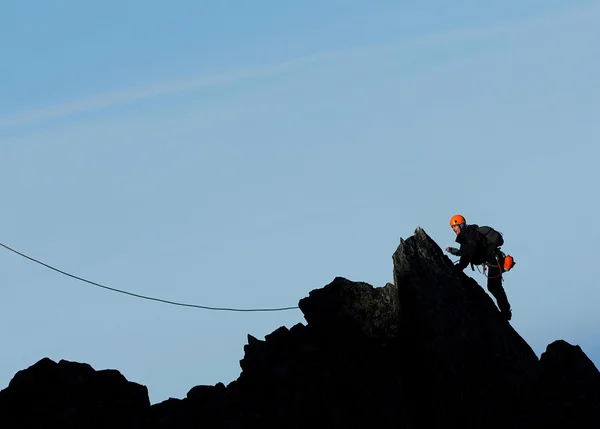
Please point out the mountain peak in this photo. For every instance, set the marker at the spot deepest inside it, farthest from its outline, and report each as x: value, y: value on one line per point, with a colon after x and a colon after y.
x: 427, y: 350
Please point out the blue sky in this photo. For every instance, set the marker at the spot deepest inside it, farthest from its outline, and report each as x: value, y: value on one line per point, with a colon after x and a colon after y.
x: 241, y: 155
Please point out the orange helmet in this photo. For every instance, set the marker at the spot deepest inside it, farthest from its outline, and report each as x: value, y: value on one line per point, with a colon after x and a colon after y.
x: 457, y: 220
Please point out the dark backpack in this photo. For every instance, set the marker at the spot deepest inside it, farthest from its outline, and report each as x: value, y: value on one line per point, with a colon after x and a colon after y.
x: 493, y: 238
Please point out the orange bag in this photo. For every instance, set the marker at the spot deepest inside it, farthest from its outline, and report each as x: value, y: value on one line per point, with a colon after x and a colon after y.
x: 509, y: 262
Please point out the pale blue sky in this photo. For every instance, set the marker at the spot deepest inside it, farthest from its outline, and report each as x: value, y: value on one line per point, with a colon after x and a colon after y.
x: 241, y: 155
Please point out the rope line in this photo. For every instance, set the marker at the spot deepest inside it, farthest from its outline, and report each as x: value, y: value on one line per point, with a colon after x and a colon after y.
x: 204, y: 307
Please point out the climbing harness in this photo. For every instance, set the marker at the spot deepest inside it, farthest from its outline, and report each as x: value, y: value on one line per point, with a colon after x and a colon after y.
x: 484, y: 265
x: 501, y: 267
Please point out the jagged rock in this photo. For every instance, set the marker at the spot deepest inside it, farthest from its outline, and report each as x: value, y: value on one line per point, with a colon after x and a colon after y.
x: 567, y: 390
x: 563, y: 364
x: 333, y: 369
x: 466, y: 363
x: 70, y: 394
x: 344, y: 308
x: 429, y: 350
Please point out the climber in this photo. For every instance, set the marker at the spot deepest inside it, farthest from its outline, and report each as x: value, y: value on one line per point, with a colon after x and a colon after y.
x: 475, y: 250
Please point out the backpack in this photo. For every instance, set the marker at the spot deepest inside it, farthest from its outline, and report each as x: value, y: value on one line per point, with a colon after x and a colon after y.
x: 493, y: 238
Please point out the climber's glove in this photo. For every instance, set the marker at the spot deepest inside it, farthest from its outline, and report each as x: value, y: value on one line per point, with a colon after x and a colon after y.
x: 453, y: 251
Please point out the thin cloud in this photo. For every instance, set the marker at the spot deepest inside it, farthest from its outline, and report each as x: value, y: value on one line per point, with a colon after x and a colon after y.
x: 114, y: 98
x: 119, y: 97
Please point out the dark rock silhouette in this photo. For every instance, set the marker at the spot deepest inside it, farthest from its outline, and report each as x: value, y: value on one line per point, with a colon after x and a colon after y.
x: 430, y: 350
x: 70, y: 394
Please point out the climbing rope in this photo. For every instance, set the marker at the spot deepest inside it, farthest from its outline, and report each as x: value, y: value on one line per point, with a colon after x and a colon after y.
x: 204, y: 307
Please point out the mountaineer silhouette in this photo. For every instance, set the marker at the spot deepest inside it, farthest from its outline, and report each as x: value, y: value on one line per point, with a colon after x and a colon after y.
x: 480, y: 245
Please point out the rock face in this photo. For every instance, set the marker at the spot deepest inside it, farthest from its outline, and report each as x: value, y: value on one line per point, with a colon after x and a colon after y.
x: 467, y: 362
x: 71, y: 394
x: 430, y: 350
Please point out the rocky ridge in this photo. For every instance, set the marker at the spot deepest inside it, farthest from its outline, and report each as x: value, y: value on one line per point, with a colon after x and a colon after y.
x: 428, y: 350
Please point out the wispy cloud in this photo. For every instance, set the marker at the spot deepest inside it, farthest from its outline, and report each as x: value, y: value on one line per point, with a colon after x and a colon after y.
x: 119, y: 97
